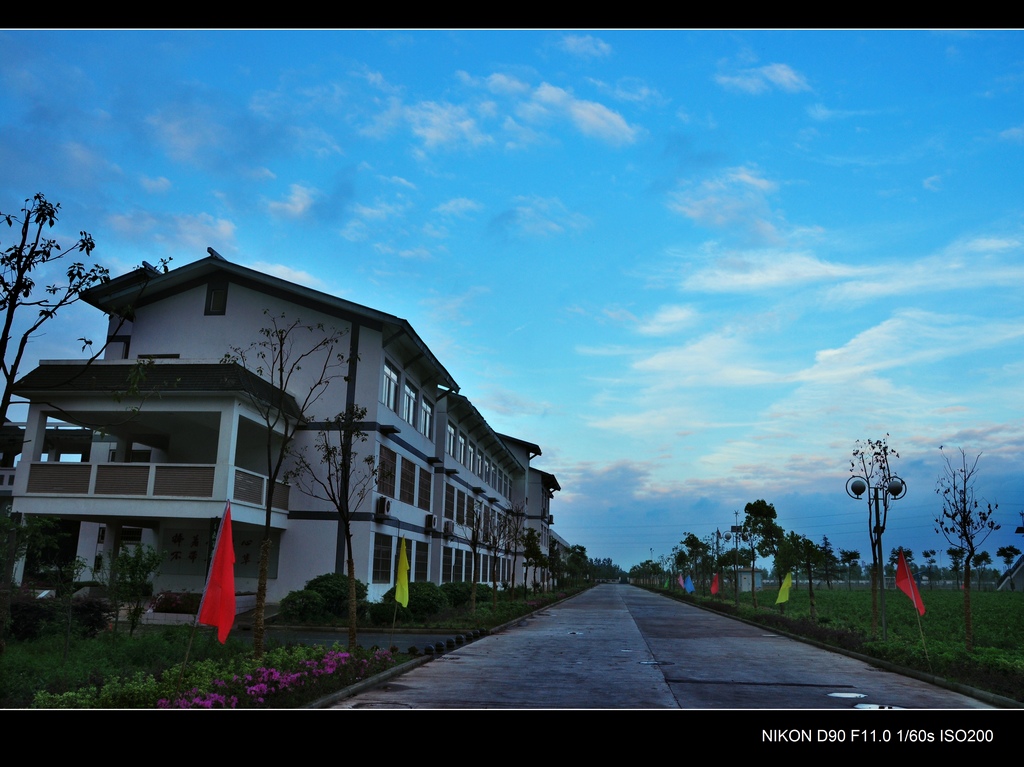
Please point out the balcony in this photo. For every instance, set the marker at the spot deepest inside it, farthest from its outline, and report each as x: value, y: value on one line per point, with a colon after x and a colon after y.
x: 153, y: 480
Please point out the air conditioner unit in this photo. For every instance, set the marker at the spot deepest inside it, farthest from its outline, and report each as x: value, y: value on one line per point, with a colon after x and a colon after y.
x: 449, y: 527
x: 431, y: 522
x: 551, y: 519
x: 383, y: 507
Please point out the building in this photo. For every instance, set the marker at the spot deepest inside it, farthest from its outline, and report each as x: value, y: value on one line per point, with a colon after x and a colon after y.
x: 182, y: 412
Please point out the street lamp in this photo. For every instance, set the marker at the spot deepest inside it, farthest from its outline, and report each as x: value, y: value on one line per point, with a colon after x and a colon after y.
x: 893, y: 488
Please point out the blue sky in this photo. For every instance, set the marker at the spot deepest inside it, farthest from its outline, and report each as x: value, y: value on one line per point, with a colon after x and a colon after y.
x: 695, y: 267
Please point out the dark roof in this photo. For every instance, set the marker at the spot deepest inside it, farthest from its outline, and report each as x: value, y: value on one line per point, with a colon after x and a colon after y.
x: 165, y: 378
x: 145, y: 285
x: 547, y: 480
x: 530, y: 446
x: 461, y: 403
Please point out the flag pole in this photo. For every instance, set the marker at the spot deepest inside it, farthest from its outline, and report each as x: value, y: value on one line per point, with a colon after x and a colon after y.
x: 195, y: 623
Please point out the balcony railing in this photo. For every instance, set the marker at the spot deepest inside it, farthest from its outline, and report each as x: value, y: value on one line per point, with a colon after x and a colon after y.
x: 150, y: 480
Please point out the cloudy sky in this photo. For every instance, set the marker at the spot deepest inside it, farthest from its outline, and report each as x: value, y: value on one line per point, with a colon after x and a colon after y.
x: 695, y: 267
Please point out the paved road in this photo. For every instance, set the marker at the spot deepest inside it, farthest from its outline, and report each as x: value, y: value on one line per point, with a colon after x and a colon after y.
x: 620, y: 647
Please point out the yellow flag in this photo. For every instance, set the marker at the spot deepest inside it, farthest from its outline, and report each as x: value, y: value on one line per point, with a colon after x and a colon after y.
x: 402, y: 579
x: 784, y: 591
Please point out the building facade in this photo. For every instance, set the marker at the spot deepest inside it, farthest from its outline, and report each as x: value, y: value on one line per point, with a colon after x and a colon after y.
x: 184, y: 410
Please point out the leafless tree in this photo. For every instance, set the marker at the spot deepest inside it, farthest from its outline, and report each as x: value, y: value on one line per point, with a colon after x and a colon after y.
x: 964, y: 521
x: 285, y: 348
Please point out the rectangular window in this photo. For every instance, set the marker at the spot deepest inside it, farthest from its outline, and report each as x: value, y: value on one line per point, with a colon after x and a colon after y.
x: 217, y: 298
x: 427, y: 419
x: 422, y: 552
x: 446, y: 565
x: 409, y: 404
x: 457, y: 567
x: 449, y: 502
x: 386, y: 472
x: 470, y: 453
x: 407, y: 491
x: 390, y: 394
x: 449, y: 444
x: 424, y: 494
x: 461, y: 455
x: 381, y: 558
x: 460, y: 509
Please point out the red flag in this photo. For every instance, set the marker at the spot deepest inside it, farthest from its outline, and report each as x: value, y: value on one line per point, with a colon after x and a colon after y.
x: 905, y: 583
x: 714, y: 584
x: 218, y: 605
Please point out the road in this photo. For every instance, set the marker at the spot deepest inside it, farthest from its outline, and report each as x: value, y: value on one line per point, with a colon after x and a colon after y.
x: 620, y: 647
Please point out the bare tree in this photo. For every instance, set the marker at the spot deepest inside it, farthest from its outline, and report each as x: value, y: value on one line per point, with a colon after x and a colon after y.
x: 872, y: 458
x: 345, y: 479
x: 287, y: 346
x: 963, y: 520
x: 512, y: 524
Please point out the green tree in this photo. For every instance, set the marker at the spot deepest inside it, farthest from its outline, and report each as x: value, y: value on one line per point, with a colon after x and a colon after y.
x: 979, y: 562
x: 956, y: 562
x: 762, y: 535
x: 33, y: 254
x: 929, y: 559
x: 129, y: 574
x: 829, y: 561
x: 286, y: 347
x: 346, y: 478
x: 533, y: 556
x: 1008, y: 554
x: 848, y: 559
x: 963, y: 520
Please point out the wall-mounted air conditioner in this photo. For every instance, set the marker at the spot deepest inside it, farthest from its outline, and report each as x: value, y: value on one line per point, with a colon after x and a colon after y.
x: 449, y: 527
x: 431, y: 522
x: 383, y: 507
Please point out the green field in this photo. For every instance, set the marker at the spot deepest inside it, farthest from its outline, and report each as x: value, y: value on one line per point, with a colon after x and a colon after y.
x: 844, y: 620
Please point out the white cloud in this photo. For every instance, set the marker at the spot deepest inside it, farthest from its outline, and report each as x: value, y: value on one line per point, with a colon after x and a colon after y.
x: 298, y: 203
x: 198, y: 232
x: 735, y: 199
x: 458, y: 206
x: 932, y: 183
x: 586, y: 46
x: 761, y: 79
x: 286, y: 272
x: 1013, y: 134
x: 539, y: 217
x: 506, y: 84
x: 668, y: 320
x: 765, y: 270
x: 155, y: 185
x: 589, y: 117
x: 444, y: 125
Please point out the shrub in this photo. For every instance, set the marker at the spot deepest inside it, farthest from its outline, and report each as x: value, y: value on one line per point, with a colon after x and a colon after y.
x: 457, y: 593
x: 178, y: 603
x: 425, y: 600
x: 333, y: 587
x: 31, y: 617
x: 303, y: 606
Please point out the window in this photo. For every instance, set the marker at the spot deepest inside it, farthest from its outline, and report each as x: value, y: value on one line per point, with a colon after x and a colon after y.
x: 422, y: 552
x: 408, y: 489
x: 449, y: 502
x: 457, y: 573
x: 449, y: 444
x: 390, y: 395
x: 386, y: 474
x: 460, y: 509
x: 424, y: 494
x: 446, y: 565
x: 470, y: 452
x: 381, y: 558
x: 462, y: 449
x: 426, y: 419
x: 216, y: 298
x: 409, y: 404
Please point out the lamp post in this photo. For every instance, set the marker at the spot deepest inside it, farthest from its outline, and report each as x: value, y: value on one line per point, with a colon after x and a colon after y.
x: 893, y: 488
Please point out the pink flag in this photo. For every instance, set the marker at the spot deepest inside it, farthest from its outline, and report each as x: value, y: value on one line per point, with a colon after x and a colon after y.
x: 682, y: 585
x: 218, y: 605
x: 905, y: 583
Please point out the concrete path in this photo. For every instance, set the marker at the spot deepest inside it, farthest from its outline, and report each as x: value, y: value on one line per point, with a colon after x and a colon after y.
x: 620, y: 647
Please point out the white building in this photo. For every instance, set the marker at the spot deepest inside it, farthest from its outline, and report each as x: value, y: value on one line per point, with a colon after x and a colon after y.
x: 178, y: 431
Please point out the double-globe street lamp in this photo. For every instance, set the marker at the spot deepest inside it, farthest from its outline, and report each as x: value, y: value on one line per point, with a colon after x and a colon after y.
x: 891, y: 488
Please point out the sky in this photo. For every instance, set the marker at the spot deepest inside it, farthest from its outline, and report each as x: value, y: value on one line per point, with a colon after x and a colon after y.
x: 695, y: 267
